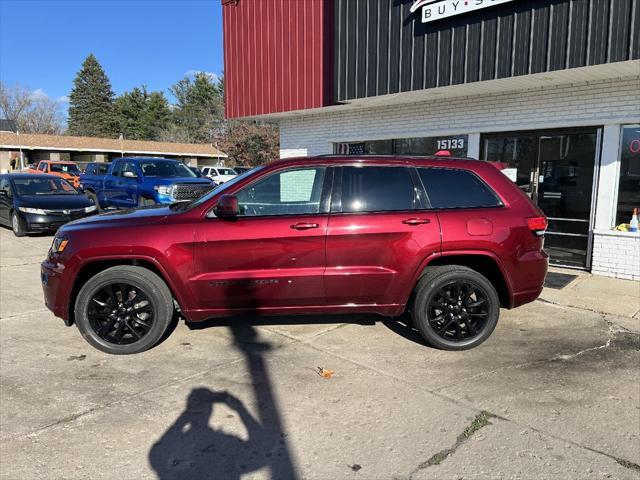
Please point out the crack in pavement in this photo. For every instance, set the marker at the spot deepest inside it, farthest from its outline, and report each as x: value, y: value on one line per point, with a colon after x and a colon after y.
x: 21, y: 264
x: 436, y: 392
x: 30, y: 312
x: 480, y: 421
x: 611, y: 337
x: 75, y: 416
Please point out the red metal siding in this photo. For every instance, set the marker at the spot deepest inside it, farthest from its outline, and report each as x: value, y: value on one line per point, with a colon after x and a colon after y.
x: 276, y: 55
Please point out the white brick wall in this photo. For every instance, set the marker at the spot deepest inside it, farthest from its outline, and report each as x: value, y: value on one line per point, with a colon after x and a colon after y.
x: 589, y: 103
x: 616, y: 254
x: 610, y: 102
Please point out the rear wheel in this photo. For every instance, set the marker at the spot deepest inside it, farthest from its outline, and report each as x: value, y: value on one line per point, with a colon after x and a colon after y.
x: 455, y: 307
x: 124, y: 309
x: 18, y: 225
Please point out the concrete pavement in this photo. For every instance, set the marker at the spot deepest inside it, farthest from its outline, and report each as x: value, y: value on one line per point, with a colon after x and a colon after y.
x: 552, y: 394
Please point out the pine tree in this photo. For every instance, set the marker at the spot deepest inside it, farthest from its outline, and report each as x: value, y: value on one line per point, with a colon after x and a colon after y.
x: 142, y: 115
x: 130, y: 110
x: 91, y: 109
x: 157, y: 115
x: 199, y: 108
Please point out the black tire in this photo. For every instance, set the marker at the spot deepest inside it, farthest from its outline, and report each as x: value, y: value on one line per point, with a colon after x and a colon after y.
x: 18, y: 225
x: 92, y: 196
x: 141, y: 281
x: 455, y: 307
x: 145, y: 202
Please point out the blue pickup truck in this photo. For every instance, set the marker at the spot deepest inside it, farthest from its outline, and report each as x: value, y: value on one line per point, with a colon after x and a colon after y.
x: 141, y: 181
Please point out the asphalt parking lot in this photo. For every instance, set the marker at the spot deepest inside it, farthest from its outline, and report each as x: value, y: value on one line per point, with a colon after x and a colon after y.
x: 554, y: 393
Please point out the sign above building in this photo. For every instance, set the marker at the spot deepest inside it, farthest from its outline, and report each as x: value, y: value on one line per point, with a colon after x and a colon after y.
x: 437, y: 9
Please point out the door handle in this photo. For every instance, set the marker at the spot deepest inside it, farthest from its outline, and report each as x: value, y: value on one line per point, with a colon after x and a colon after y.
x: 416, y: 221
x: 304, y: 226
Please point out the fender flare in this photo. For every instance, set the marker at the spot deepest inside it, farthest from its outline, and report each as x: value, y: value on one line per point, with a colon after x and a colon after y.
x: 421, y: 270
x: 176, y: 290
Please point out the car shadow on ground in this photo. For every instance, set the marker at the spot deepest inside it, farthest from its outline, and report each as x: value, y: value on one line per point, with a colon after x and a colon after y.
x: 401, y: 326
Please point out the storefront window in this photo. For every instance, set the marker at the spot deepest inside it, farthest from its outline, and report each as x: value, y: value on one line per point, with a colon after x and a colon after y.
x: 456, y: 145
x: 629, y: 185
x: 517, y: 151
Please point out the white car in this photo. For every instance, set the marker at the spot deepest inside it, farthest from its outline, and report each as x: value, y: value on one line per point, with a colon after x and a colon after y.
x: 219, y: 174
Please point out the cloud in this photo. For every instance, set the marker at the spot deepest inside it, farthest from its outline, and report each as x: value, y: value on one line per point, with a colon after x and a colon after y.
x: 213, y: 76
x: 38, y: 94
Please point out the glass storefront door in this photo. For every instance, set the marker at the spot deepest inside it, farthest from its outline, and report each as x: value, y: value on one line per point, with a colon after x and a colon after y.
x: 556, y: 169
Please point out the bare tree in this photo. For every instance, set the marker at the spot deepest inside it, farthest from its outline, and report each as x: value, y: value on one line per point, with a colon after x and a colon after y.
x: 32, y: 112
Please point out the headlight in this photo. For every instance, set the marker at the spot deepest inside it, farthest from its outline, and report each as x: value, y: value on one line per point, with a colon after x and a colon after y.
x: 92, y: 208
x: 59, y: 244
x: 37, y: 211
x: 163, y: 189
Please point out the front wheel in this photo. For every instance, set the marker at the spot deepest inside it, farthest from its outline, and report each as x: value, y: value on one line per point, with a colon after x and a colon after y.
x: 124, y: 310
x: 145, y: 202
x: 94, y: 198
x: 455, y: 307
x: 18, y: 225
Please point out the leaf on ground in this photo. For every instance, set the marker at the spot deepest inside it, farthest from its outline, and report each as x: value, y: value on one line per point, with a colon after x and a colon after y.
x: 325, y: 373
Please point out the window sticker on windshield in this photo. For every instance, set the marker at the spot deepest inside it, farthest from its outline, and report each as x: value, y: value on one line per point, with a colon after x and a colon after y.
x: 297, y: 186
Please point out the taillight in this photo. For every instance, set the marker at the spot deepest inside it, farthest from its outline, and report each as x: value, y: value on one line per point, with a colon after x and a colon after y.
x: 537, y: 225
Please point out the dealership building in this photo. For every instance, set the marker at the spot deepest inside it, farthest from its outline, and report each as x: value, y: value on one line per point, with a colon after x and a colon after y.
x: 551, y: 88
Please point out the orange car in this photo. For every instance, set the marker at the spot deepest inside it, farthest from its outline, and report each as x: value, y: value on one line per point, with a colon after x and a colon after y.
x: 67, y: 170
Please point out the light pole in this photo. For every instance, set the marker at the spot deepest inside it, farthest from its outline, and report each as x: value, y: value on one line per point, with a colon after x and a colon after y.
x: 20, y: 148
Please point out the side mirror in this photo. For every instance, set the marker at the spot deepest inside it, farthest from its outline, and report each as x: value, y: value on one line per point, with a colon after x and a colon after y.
x: 129, y: 174
x: 227, y: 207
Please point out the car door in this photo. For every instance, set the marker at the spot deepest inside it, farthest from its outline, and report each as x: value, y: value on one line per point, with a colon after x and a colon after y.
x: 110, y: 186
x: 128, y: 192
x: 379, y: 233
x: 6, y: 199
x: 272, y: 255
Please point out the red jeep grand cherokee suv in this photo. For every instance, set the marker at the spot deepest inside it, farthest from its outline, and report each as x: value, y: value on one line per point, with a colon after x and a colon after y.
x: 449, y: 240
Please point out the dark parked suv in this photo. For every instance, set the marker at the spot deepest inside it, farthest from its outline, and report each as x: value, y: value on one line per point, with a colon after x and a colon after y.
x: 448, y: 240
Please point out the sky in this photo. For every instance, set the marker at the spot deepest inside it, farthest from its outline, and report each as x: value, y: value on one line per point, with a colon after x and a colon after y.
x: 150, y: 42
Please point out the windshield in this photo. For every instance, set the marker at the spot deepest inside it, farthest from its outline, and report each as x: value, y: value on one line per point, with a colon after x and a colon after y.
x: 165, y: 169
x: 43, y: 186
x: 70, y: 168
x: 221, y: 188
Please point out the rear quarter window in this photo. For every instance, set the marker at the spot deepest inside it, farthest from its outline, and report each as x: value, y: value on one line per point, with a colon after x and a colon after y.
x: 456, y: 188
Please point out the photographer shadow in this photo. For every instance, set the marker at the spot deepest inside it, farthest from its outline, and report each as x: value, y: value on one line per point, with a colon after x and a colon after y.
x: 192, y: 448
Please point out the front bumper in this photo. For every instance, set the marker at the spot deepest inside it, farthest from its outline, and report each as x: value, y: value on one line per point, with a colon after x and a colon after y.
x: 51, y: 280
x: 48, y: 223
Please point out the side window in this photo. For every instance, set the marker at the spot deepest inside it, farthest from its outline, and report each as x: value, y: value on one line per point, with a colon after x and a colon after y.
x: 42, y: 167
x: 377, y: 189
x: 291, y: 192
x: 102, y: 168
x: 454, y: 188
x: 4, y: 186
x: 128, y: 167
x: 90, y: 170
x: 117, y: 168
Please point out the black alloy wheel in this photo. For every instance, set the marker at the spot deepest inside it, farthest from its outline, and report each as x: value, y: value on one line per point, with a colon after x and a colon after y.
x: 455, y: 307
x: 459, y: 310
x: 124, y: 309
x: 120, y: 313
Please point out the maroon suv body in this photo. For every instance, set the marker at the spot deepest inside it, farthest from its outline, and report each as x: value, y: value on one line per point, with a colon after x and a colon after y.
x: 450, y: 240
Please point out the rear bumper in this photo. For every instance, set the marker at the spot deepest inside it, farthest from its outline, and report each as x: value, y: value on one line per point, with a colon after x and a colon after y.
x: 531, y: 272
